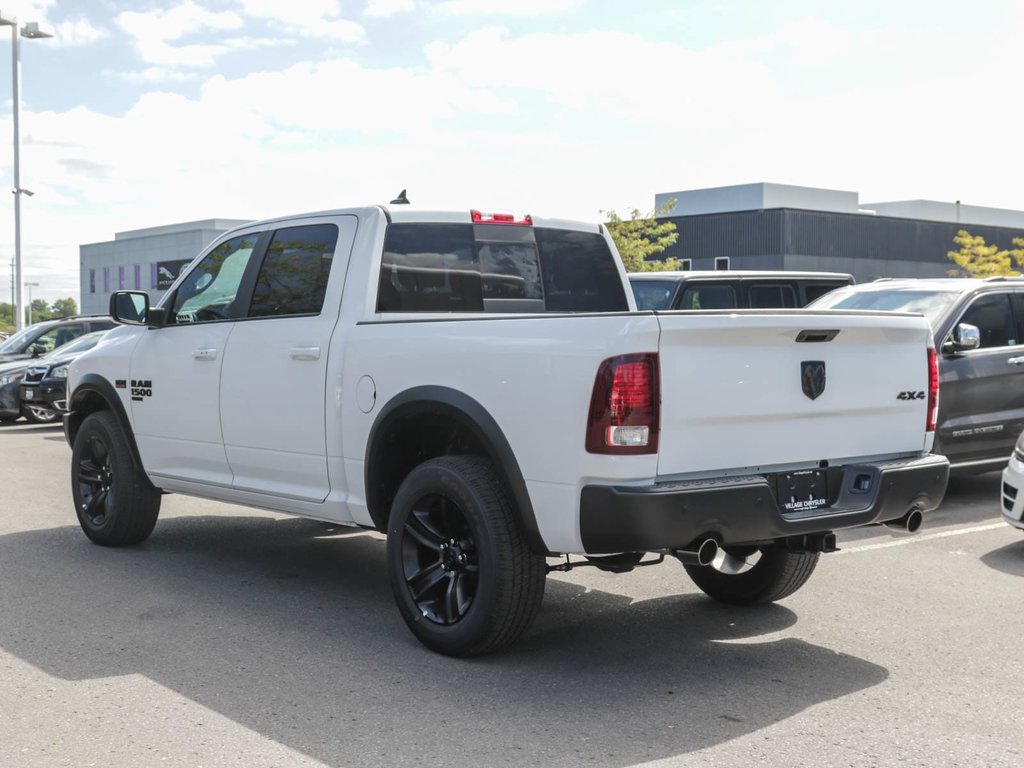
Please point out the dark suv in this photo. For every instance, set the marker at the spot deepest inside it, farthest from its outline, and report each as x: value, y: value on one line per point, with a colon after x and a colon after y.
x: 40, y: 338
x: 979, y: 334
x: 732, y: 289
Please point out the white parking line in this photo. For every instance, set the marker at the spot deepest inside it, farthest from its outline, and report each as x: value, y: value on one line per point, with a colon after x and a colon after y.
x: 925, y: 537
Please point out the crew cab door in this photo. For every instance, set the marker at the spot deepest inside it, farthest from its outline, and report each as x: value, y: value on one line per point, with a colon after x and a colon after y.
x: 273, y: 386
x: 981, y: 410
x: 175, y: 370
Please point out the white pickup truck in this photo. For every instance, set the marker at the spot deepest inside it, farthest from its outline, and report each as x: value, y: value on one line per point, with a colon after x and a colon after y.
x: 480, y: 388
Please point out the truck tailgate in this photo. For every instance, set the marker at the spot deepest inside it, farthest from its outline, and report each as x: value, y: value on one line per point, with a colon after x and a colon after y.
x: 733, y: 388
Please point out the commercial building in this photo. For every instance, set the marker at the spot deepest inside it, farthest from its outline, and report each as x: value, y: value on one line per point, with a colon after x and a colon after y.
x: 144, y: 259
x: 779, y: 226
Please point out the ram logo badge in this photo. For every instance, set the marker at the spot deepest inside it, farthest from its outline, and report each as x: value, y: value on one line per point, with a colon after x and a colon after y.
x: 812, y: 378
x: 141, y: 388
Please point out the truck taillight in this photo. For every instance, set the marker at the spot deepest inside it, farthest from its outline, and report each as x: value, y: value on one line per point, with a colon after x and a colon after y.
x: 933, y: 390
x: 480, y: 217
x: 624, y: 406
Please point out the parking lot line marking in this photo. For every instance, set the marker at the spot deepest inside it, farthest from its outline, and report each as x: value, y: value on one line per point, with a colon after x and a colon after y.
x: 925, y: 537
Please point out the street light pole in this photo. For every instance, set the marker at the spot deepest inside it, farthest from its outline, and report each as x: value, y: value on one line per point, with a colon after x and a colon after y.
x: 31, y: 31
x: 30, y: 286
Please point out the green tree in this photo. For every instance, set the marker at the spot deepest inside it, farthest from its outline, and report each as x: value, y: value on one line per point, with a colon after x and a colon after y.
x: 6, y: 316
x: 641, y: 236
x: 976, y: 258
x: 40, y: 311
x: 65, y: 307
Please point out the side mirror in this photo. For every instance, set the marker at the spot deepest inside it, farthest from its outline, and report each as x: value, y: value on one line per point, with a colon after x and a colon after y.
x: 964, y: 337
x: 37, y: 349
x: 132, y: 308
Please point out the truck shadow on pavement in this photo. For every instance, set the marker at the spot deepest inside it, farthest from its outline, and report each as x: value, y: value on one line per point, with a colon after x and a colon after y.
x: 1008, y: 559
x: 289, y: 629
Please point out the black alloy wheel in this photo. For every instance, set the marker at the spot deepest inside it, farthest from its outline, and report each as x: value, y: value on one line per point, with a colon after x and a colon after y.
x: 114, y: 501
x: 439, y: 560
x: 463, y: 577
x: 94, y: 478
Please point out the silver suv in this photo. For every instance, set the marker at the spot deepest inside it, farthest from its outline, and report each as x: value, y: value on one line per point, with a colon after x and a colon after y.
x: 979, y: 333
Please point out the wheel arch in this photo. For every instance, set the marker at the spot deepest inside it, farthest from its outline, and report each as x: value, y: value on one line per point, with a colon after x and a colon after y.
x: 94, y: 393
x: 424, y: 422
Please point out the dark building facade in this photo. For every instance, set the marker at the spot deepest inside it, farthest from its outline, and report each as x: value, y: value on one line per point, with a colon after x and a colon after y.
x: 863, y: 241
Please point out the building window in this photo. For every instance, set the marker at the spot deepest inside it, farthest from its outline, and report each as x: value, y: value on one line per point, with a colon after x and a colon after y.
x: 721, y: 263
x: 92, y: 281
x: 120, y: 278
x: 106, y: 279
x: 686, y: 264
x: 138, y: 276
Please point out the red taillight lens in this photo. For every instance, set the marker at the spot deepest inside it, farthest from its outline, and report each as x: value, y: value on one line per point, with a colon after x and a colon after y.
x: 523, y: 219
x: 933, y: 390
x: 624, y: 406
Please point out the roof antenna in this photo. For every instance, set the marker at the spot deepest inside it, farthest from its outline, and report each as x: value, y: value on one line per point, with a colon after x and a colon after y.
x: 401, y: 199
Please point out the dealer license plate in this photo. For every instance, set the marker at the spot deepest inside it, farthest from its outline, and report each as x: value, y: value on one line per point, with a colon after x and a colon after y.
x: 803, y: 490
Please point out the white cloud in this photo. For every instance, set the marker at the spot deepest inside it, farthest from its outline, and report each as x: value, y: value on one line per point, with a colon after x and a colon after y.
x: 310, y: 18
x: 387, y: 8
x: 155, y: 31
x: 27, y: 10
x: 77, y: 32
x: 530, y: 8
x: 155, y: 75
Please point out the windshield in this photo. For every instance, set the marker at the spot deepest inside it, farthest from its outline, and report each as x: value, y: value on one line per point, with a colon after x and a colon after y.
x: 81, y: 344
x: 931, y: 304
x: 20, y: 341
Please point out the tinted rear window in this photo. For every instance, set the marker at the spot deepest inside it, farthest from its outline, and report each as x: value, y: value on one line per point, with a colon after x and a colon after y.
x: 771, y: 296
x: 495, y: 268
x: 709, y: 296
x: 650, y: 294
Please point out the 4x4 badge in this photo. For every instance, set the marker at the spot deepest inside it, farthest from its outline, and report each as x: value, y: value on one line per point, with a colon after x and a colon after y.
x: 812, y: 377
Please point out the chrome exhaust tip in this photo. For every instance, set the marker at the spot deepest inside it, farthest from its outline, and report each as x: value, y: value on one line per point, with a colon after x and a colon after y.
x: 909, y: 523
x: 701, y: 552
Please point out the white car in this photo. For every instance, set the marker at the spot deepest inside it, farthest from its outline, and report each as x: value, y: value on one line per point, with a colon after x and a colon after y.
x: 1013, y: 483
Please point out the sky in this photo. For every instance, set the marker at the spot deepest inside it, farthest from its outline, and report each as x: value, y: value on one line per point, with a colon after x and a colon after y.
x: 140, y: 114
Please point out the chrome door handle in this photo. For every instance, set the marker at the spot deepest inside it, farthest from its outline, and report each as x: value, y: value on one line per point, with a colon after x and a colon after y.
x: 1016, y: 361
x: 304, y: 353
x: 204, y: 354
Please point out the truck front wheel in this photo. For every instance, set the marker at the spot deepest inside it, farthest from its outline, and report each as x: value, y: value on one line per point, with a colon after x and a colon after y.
x: 115, y: 503
x: 750, y: 575
x: 462, y: 574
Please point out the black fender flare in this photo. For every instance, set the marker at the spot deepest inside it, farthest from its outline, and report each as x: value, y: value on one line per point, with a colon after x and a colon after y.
x: 92, y: 384
x: 475, y: 418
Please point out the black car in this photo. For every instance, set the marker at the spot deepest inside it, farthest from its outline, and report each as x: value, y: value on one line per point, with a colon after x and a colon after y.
x: 979, y: 336
x: 732, y: 289
x: 37, y: 389
x: 40, y: 338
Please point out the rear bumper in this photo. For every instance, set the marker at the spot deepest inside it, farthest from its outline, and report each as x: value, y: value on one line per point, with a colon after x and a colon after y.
x: 744, y: 510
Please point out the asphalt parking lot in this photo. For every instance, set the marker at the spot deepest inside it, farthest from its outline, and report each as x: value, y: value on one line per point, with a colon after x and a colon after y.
x: 235, y: 637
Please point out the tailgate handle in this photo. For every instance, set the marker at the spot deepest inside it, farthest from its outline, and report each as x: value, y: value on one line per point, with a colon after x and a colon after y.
x: 816, y: 335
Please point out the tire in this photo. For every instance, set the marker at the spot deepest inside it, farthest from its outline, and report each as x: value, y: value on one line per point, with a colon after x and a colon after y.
x: 39, y: 415
x: 751, y: 575
x: 115, y: 503
x: 462, y: 574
